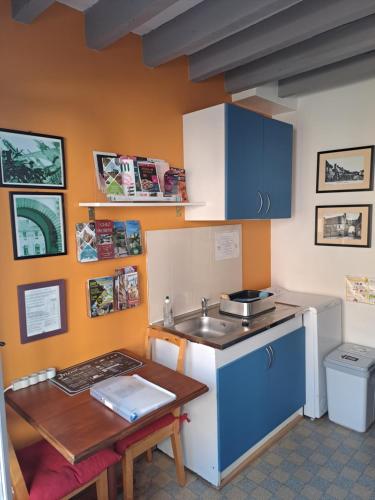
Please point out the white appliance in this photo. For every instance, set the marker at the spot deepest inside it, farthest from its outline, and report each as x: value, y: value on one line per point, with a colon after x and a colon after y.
x: 322, y: 320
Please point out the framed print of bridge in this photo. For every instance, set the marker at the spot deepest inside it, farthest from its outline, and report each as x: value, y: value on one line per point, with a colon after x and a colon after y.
x: 38, y: 226
x: 31, y: 160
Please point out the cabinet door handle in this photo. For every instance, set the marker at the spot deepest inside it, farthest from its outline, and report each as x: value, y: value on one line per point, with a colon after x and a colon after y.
x: 268, y: 203
x: 261, y: 202
x: 269, y: 357
x: 272, y: 354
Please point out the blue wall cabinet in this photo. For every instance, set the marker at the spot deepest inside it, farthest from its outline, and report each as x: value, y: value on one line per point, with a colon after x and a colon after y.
x: 257, y: 392
x: 239, y: 163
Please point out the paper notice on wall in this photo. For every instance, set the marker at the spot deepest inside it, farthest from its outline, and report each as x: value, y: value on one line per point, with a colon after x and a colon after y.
x: 227, y: 245
x: 360, y: 289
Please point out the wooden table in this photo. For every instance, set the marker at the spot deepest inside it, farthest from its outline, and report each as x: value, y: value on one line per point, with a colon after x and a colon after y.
x: 78, y: 426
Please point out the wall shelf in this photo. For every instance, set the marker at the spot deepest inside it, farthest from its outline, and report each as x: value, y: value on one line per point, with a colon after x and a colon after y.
x: 110, y: 204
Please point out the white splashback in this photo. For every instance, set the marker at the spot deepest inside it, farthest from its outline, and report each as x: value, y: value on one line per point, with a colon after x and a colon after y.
x: 182, y: 263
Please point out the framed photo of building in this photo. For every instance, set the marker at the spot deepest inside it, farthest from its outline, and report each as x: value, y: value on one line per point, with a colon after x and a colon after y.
x: 38, y: 224
x: 31, y: 160
x: 344, y: 225
x: 42, y: 310
x: 345, y: 170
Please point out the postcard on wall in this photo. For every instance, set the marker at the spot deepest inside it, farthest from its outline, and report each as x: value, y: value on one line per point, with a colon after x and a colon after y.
x: 104, y: 239
x: 119, y: 239
x: 133, y: 237
x: 360, y: 289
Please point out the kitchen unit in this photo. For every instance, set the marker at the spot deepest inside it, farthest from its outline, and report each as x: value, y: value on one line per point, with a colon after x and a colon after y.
x: 239, y: 162
x: 256, y: 386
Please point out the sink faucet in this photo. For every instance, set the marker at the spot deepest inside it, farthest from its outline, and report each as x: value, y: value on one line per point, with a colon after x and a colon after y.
x: 204, y: 301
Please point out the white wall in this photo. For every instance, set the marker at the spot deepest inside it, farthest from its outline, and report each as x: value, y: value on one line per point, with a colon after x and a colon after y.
x: 339, y: 118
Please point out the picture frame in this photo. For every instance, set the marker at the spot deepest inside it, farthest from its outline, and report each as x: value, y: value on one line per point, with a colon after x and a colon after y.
x: 31, y: 160
x: 350, y: 169
x: 42, y: 310
x: 343, y: 225
x: 38, y: 224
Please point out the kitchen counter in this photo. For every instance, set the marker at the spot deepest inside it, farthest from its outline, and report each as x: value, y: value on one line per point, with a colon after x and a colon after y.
x: 257, y: 324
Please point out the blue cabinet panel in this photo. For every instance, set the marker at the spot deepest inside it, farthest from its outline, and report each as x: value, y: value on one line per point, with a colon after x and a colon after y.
x: 257, y: 392
x: 258, y: 165
x: 277, y: 168
x: 243, y: 168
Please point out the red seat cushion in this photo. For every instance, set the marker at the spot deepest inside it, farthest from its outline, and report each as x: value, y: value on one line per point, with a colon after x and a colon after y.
x: 49, y: 476
x: 124, y: 443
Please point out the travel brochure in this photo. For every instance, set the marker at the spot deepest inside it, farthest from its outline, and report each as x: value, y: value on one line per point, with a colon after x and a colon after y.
x: 107, y: 239
x: 113, y: 293
x: 136, y: 178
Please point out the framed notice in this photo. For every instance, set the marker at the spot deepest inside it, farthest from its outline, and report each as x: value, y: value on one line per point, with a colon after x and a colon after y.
x: 42, y: 310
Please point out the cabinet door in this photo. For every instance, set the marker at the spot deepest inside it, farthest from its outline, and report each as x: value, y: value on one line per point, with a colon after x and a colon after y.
x: 243, y: 169
x: 277, y: 168
x: 257, y: 392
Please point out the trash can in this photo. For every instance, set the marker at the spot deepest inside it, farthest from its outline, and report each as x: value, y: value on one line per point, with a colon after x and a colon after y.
x: 350, y: 371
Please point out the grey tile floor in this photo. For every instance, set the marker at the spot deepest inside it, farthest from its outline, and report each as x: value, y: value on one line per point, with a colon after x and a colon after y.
x: 315, y: 460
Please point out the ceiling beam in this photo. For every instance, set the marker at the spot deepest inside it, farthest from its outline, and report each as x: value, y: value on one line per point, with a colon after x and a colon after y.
x: 108, y: 20
x: 25, y: 11
x: 205, y: 24
x: 303, y: 21
x: 345, y: 72
x: 331, y: 47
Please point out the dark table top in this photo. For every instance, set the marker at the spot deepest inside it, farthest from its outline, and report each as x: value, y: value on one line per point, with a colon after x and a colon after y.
x: 78, y: 426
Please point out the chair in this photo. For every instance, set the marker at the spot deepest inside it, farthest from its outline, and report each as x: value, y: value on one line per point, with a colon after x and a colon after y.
x: 40, y: 472
x: 165, y: 427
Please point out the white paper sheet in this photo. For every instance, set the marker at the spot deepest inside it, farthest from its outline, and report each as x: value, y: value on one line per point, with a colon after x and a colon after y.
x: 227, y: 245
x: 42, y: 307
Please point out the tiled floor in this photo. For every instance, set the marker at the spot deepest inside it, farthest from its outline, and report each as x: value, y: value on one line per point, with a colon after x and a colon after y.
x: 316, y: 460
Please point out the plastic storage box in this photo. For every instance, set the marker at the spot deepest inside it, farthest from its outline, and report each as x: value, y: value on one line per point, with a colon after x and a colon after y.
x: 351, y: 386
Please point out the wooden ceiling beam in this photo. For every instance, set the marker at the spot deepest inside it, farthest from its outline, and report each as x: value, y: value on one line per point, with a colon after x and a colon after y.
x: 25, y: 11
x: 301, y: 22
x: 108, y: 20
x: 345, y: 72
x: 333, y: 46
x: 204, y: 24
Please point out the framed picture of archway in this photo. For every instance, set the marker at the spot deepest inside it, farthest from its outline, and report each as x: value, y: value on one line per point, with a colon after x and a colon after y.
x: 38, y: 224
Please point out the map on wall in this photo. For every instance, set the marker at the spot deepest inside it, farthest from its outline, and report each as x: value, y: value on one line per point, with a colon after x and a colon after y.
x: 360, y: 289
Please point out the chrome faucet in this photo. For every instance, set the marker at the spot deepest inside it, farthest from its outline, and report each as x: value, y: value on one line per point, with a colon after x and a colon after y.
x: 204, y: 302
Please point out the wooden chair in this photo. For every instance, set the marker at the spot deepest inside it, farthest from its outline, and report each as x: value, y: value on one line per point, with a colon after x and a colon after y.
x: 165, y: 427
x: 40, y: 472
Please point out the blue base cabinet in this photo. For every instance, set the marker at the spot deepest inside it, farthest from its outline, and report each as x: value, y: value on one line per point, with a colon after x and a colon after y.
x: 258, y: 392
x: 239, y: 163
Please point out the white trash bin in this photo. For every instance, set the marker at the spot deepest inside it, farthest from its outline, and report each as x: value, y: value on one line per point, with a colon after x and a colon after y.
x: 350, y: 373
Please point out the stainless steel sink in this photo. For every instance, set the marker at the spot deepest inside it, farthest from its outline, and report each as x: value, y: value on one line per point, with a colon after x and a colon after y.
x: 206, y: 327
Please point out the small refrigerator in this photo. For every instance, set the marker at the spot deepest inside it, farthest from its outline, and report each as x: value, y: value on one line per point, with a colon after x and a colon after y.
x: 322, y: 320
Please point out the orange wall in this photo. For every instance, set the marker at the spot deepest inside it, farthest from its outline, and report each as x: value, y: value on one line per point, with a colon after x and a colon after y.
x: 51, y: 83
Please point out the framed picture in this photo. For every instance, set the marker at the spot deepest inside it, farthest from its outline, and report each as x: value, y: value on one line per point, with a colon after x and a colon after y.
x: 345, y: 170
x: 31, y: 160
x: 344, y: 225
x: 42, y: 310
x: 37, y: 224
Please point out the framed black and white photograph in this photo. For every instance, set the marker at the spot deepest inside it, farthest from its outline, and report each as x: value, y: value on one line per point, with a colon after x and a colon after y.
x: 31, y: 160
x: 344, y: 225
x: 38, y: 226
x: 345, y: 170
x: 42, y: 310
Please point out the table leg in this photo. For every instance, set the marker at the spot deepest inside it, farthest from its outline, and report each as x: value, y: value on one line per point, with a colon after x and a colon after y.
x: 112, y: 483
